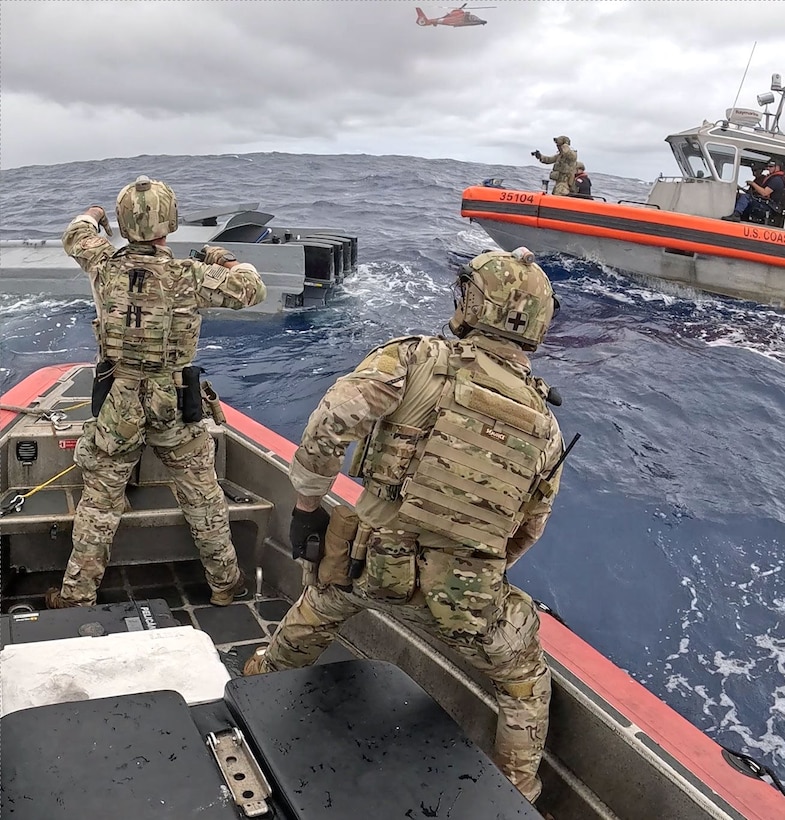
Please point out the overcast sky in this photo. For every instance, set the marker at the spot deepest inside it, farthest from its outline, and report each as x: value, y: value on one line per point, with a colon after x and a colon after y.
x: 91, y: 79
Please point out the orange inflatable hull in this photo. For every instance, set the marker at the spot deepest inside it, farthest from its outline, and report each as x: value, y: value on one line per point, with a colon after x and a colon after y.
x: 628, y: 223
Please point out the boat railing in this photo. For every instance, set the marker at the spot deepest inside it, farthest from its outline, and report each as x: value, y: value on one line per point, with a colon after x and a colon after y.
x: 639, y: 204
x: 587, y: 196
x: 690, y: 180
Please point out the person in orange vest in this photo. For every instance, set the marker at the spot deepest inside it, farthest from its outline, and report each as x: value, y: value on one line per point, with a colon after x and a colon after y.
x: 581, y: 185
x: 761, y: 198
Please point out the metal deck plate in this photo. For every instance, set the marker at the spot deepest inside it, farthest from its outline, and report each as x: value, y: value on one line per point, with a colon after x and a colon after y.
x: 136, y: 757
x: 360, y: 739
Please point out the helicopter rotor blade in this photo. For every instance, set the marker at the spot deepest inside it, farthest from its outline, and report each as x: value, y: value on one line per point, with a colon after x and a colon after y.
x: 464, y: 7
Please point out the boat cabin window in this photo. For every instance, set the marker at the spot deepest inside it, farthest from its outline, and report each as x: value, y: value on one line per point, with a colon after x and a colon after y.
x: 750, y: 162
x: 724, y: 159
x: 690, y: 159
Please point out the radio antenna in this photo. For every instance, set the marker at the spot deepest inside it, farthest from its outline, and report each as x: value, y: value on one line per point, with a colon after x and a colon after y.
x: 744, y: 76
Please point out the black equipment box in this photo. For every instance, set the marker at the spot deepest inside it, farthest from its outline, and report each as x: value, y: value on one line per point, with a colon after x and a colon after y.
x: 73, y: 622
x: 131, y: 757
x: 360, y: 739
x: 350, y: 740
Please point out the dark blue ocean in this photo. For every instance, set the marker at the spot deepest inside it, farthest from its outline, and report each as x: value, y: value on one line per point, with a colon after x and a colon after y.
x: 666, y: 549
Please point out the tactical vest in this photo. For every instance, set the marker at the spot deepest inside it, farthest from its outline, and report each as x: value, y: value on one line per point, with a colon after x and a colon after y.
x: 148, y: 316
x: 564, y: 165
x: 470, y: 470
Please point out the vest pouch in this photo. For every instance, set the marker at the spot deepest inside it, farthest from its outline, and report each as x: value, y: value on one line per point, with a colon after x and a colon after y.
x: 120, y: 423
x: 479, y: 463
x: 390, y: 567
x: 554, y: 175
x: 191, y: 393
x: 102, y: 384
x: 161, y: 403
x: 341, y: 531
x: 390, y: 451
x: 463, y: 590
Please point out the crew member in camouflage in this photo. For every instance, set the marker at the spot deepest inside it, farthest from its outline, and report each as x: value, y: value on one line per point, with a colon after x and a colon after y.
x: 564, y: 165
x: 147, y: 328
x: 456, y: 592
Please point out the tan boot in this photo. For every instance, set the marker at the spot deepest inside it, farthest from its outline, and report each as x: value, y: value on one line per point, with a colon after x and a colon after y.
x: 226, y: 596
x: 255, y: 664
x: 55, y: 600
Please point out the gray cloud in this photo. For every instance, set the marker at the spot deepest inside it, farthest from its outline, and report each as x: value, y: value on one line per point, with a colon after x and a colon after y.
x: 84, y: 80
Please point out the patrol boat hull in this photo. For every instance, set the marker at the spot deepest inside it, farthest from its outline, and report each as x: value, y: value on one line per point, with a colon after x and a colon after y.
x: 300, y: 266
x: 614, y: 750
x: 741, y: 260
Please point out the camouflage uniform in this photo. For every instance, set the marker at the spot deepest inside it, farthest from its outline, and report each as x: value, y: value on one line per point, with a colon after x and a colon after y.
x: 564, y: 166
x: 457, y: 593
x: 150, y: 343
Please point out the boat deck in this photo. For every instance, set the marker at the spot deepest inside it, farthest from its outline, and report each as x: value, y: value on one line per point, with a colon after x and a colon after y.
x: 612, y: 746
x: 236, y: 630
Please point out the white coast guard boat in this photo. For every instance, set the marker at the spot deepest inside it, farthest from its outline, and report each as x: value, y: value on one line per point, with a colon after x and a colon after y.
x: 300, y: 266
x: 128, y: 709
x: 677, y: 234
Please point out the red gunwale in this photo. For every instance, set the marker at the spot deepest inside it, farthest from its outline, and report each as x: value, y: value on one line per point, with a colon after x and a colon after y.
x: 348, y: 490
x: 699, y: 754
x: 30, y: 389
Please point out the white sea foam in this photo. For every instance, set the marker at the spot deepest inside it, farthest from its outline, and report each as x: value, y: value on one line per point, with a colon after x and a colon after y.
x: 35, y: 305
x: 386, y: 285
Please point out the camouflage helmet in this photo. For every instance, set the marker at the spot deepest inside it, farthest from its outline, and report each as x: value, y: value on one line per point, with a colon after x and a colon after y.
x: 146, y: 210
x: 580, y: 166
x: 561, y: 140
x: 506, y: 294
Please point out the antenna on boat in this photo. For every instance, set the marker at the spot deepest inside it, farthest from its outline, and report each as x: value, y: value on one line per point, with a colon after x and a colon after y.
x: 776, y: 85
x: 744, y: 76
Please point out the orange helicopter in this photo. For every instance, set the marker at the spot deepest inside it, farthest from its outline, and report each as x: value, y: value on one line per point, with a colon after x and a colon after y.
x: 456, y: 18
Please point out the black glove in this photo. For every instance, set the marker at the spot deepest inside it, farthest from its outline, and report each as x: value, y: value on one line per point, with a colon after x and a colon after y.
x: 307, y: 532
x: 536, y: 154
